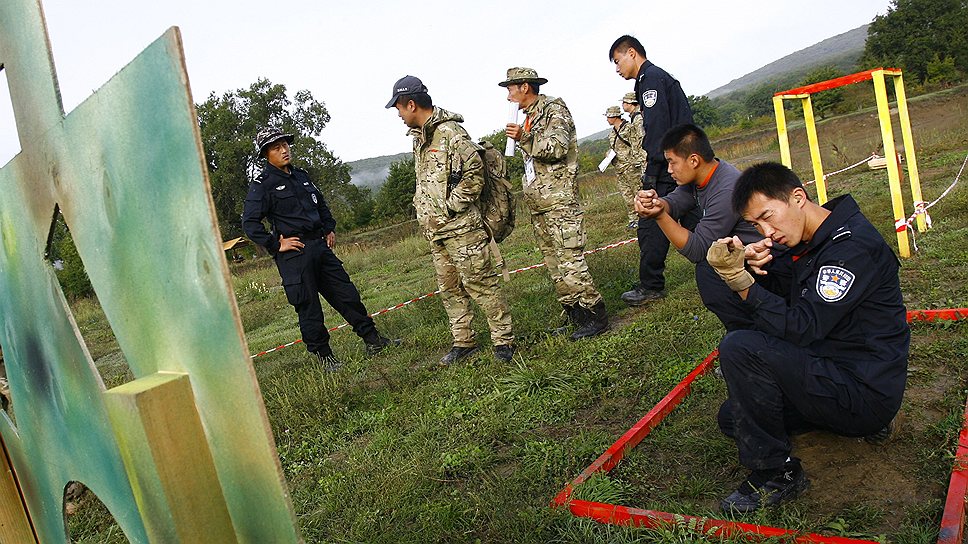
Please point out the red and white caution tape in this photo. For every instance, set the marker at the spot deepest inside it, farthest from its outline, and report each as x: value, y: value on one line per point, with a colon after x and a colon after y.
x: 842, y: 170
x: 921, y: 208
x: 437, y: 292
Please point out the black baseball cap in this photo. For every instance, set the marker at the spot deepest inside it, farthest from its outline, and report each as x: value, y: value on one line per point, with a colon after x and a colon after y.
x: 404, y: 86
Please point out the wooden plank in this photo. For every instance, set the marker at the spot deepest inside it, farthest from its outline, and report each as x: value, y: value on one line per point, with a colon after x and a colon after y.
x: 166, y: 455
x: 14, y: 522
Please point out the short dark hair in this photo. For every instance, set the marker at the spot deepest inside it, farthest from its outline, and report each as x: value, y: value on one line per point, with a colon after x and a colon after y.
x: 686, y: 139
x: 770, y: 179
x: 625, y: 42
x: 422, y: 100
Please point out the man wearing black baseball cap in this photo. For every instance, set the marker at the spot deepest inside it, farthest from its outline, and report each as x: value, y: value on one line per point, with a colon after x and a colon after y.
x: 450, y: 172
x: 303, y: 235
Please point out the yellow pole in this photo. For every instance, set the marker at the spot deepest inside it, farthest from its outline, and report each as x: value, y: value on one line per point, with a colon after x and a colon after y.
x: 893, y: 170
x: 912, y: 161
x: 781, y: 132
x: 814, y: 149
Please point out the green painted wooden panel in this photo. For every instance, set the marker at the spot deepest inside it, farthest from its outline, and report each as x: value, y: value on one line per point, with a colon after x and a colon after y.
x: 126, y: 168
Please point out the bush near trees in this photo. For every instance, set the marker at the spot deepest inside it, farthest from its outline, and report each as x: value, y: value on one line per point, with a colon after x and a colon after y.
x: 395, y: 199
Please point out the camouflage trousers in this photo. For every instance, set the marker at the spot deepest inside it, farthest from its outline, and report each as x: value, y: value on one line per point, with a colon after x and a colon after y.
x: 561, y: 238
x: 465, y: 271
x: 629, y: 183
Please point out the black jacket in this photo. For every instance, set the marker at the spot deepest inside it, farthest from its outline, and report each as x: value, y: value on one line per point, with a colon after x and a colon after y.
x: 663, y: 106
x: 291, y: 202
x: 839, y: 297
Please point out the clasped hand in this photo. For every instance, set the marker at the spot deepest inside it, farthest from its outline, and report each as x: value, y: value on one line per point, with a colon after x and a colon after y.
x: 727, y: 256
x: 648, y: 204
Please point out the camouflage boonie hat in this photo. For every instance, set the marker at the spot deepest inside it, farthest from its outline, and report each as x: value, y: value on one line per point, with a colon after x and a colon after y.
x: 630, y: 98
x: 268, y: 135
x: 613, y: 111
x: 522, y: 75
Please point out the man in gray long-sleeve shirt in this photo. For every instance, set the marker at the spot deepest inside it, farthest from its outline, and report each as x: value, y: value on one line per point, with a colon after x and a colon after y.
x: 705, y: 182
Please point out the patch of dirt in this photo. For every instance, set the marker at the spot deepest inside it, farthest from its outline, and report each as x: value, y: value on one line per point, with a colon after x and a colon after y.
x: 849, y: 471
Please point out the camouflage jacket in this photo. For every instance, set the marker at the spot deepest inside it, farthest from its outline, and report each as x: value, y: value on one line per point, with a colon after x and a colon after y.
x: 450, y: 176
x: 550, y: 141
x: 638, y: 135
x: 622, y: 141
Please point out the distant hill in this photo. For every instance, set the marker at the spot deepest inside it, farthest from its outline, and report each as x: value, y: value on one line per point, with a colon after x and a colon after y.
x: 373, y: 172
x: 842, y: 51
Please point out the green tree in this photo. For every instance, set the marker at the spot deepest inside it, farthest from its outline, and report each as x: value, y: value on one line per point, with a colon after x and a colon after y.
x: 824, y: 101
x: 704, y: 112
x: 942, y: 71
x: 395, y: 198
x: 68, y: 267
x: 914, y: 31
x: 228, y: 125
x: 759, y: 101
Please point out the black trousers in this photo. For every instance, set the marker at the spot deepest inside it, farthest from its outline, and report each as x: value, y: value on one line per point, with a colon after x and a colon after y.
x: 653, y: 244
x: 317, y: 271
x: 777, y: 389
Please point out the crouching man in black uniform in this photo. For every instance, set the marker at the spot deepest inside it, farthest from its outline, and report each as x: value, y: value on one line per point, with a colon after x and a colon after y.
x: 301, y: 242
x: 828, y: 346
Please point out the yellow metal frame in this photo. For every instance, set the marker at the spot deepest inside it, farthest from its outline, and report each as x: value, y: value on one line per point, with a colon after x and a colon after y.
x: 878, y: 76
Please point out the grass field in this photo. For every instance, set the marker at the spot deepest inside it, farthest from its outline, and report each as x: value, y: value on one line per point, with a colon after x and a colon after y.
x: 397, y: 449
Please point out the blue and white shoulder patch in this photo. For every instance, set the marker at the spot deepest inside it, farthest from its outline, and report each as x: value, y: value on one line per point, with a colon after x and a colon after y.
x: 842, y: 233
x: 833, y: 282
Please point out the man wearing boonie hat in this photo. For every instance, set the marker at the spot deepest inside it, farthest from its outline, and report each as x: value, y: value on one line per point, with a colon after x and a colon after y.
x: 303, y: 235
x: 550, y: 149
x: 631, y: 106
x: 621, y: 139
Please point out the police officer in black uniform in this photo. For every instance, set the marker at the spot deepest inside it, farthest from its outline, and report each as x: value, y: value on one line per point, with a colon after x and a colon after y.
x: 301, y: 241
x: 828, y: 346
x: 663, y: 105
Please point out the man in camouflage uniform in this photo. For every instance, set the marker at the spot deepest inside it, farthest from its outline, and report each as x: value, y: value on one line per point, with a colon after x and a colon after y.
x: 631, y: 106
x: 622, y: 141
x: 450, y: 176
x: 550, y: 148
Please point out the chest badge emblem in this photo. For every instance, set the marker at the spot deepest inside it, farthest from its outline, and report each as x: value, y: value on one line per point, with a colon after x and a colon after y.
x: 281, y: 187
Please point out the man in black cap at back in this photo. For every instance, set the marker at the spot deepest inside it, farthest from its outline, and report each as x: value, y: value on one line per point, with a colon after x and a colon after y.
x: 303, y: 235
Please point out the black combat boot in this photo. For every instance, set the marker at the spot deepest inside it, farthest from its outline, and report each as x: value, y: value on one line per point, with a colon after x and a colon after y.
x: 595, y: 321
x: 456, y: 354
x: 571, y: 319
x: 504, y: 353
x: 328, y: 362
x: 767, y: 488
x: 376, y: 342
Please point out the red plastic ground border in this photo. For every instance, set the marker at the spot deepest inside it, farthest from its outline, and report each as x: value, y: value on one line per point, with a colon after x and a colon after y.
x: 952, y: 521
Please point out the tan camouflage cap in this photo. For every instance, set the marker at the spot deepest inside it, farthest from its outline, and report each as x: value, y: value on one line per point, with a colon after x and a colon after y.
x: 522, y: 75
x: 267, y: 135
x: 613, y: 111
x: 630, y: 98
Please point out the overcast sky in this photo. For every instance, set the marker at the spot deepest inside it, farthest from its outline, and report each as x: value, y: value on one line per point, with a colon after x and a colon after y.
x: 348, y: 54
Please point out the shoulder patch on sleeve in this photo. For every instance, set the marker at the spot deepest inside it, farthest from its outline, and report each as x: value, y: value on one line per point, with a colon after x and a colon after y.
x: 843, y: 233
x: 833, y: 282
